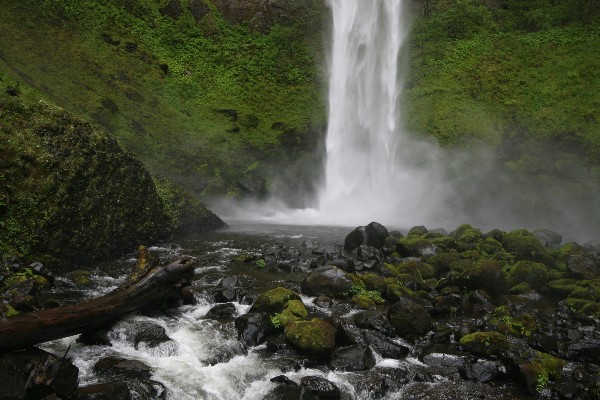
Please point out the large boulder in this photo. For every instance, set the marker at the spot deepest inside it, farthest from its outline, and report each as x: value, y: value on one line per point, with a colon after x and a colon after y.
x: 527, y: 248
x: 272, y: 301
x: 408, y: 317
x: 316, y: 337
x: 583, y: 266
x: 486, y: 275
x: 329, y: 281
x: 76, y: 196
x: 534, y: 274
x: 253, y: 328
x: 321, y: 387
x: 373, y: 235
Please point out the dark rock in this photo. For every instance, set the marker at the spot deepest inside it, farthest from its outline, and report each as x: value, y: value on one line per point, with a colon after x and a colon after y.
x: 583, y: 267
x: 277, y: 343
x: 222, y: 311
x: 199, y: 9
x: 104, y: 391
x: 444, y: 360
x: 371, y: 319
x: 329, y: 281
x: 483, y: 370
x: 253, y: 328
x: 527, y: 248
x: 152, y: 335
x: 230, y: 281
x: 321, y: 387
x: 486, y: 275
x: 355, y: 238
x: 323, y: 301
x: 172, y: 9
x: 408, y: 317
x: 35, y: 374
x: 376, y: 235
x: 368, y: 253
x: 290, y: 392
x: 283, y: 379
x: 347, y: 334
x: 120, y: 366
x: 352, y: 358
x: 226, y: 295
x: 384, y: 346
x: 345, y: 264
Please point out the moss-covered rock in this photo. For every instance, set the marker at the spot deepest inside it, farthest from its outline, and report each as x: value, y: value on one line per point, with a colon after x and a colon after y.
x: 485, y: 343
x: 316, y: 337
x: 416, y: 246
x: 539, y: 371
x: 274, y: 300
x: 70, y: 193
x: 486, y: 275
x: 527, y: 248
x: 363, y: 302
x: 408, y: 317
x: 561, y: 287
x: 395, y: 291
x: 417, y: 231
x: 373, y: 282
x: 417, y: 269
x: 329, y: 281
x: 534, y: 274
x: 294, y: 310
x: 80, y: 277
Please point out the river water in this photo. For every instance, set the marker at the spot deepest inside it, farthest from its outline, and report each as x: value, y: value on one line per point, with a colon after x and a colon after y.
x: 204, y: 359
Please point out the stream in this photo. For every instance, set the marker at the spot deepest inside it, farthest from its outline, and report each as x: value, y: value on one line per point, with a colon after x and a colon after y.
x: 202, y: 358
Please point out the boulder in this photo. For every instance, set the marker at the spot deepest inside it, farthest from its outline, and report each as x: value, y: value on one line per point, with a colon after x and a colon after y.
x: 486, y: 275
x: 485, y: 343
x: 315, y: 337
x: 535, y: 274
x: 329, y: 281
x: 376, y: 235
x: 355, y: 238
x: 583, y: 266
x: 526, y: 248
x: 222, y: 311
x: 253, y: 328
x: 321, y: 387
x: 272, y: 301
x: 385, y: 347
x: 548, y: 238
x: 408, y: 317
x: 352, y: 358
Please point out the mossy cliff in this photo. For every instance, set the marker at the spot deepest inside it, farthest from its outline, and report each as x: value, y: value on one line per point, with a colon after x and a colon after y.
x: 70, y: 194
x: 205, y: 92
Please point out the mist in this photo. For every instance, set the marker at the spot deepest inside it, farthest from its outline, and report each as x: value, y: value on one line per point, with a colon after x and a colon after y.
x: 373, y: 169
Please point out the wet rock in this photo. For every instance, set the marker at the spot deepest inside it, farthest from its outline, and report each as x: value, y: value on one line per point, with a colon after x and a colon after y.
x: 321, y: 387
x: 316, y: 337
x: 273, y: 300
x: 293, y: 310
x: 485, y: 343
x: 540, y: 370
x: 230, y: 281
x: 352, y: 358
x: 583, y: 267
x: 368, y: 254
x: 534, y: 274
x: 486, y: 275
x: 415, y: 246
x: 291, y: 391
x: 104, y: 391
x: 355, y: 238
x: 253, y: 328
x: 527, y: 248
x: 80, y: 277
x: 483, y: 370
x: 376, y: 235
x: 121, y: 366
x: 35, y: 374
x: 345, y: 264
x: 408, y: 317
x: 226, y: 295
x: 222, y: 311
x: 444, y: 360
x: 329, y: 281
x: 374, y: 320
x: 385, y: 347
x: 151, y: 334
x: 323, y: 301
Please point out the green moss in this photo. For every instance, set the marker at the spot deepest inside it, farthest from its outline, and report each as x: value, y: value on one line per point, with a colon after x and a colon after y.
x: 535, y: 274
x: 417, y: 269
x: 315, y: 337
x: 274, y: 300
x: 80, y: 277
x: 7, y: 311
x: 527, y: 248
x: 485, y: 343
x: 373, y: 282
x: 561, y: 287
x: 395, y: 292
x: 543, y: 368
x: 293, y: 310
x: 373, y: 295
x: 441, y: 262
x: 468, y: 235
x: 363, y: 301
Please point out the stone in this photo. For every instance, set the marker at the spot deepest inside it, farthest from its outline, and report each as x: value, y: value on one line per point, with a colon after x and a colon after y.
x: 535, y: 274
x: 253, y: 328
x: 376, y: 235
x: 527, y: 248
x: 222, y: 311
x: 352, y: 358
x: 272, y: 301
x: 408, y: 317
x: 548, y: 238
x: 485, y: 343
x: 329, y: 281
x: 486, y: 275
x: 375, y: 320
x: 355, y: 238
x: 321, y: 387
x: 583, y: 267
x: 483, y: 371
x: 384, y: 346
x: 316, y: 337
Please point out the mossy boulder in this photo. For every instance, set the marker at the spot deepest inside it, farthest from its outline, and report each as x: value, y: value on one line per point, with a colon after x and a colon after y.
x: 417, y: 269
x: 486, y: 275
x: 274, y: 300
x: 441, y: 262
x: 294, y: 310
x: 561, y: 287
x: 316, y: 337
x: 329, y: 281
x: 363, y: 302
x: 395, y: 291
x: 417, y: 231
x: 490, y: 246
x: 527, y: 248
x: 76, y: 196
x: 532, y: 273
x: 373, y: 282
x: 539, y: 371
x: 485, y: 343
x: 80, y: 277
x: 408, y: 317
x: 416, y: 246
x: 583, y: 266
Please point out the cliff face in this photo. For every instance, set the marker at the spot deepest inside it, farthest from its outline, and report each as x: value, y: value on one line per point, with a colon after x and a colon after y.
x: 71, y: 195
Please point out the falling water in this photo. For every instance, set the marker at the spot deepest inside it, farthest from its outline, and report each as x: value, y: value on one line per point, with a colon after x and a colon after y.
x: 364, y: 177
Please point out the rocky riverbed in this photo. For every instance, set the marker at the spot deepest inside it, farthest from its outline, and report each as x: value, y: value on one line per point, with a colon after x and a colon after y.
x: 334, y: 313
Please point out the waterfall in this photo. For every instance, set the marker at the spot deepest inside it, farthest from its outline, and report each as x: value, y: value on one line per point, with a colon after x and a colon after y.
x: 362, y: 172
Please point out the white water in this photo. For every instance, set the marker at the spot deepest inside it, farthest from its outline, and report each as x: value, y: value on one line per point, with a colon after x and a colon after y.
x: 373, y: 171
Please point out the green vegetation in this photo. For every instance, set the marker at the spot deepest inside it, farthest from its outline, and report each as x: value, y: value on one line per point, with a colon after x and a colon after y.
x: 198, y: 99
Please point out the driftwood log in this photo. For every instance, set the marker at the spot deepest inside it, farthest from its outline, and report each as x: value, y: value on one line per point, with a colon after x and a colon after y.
x: 148, y: 284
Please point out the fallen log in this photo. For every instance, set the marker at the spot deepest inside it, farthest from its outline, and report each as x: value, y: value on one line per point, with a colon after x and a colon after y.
x: 148, y: 284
